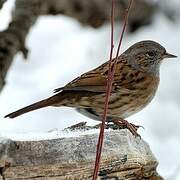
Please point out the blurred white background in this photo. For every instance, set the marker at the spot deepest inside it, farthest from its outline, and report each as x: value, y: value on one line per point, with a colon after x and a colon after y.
x: 61, y: 49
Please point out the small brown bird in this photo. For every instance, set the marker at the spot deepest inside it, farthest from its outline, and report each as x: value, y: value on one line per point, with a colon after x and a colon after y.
x: 135, y: 83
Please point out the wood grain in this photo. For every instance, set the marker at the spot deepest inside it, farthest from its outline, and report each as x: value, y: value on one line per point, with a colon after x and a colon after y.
x: 123, y: 157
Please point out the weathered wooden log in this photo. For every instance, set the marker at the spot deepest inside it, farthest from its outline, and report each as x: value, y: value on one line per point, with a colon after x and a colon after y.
x: 124, y: 157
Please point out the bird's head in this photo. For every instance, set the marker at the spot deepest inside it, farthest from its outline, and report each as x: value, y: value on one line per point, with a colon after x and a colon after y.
x: 147, y: 55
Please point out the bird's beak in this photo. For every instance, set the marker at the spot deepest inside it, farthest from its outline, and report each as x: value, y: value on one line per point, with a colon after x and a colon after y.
x: 168, y: 55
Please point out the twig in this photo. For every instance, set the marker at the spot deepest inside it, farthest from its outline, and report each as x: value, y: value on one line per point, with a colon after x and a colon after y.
x: 109, y: 85
x: 108, y: 91
x: 2, y: 3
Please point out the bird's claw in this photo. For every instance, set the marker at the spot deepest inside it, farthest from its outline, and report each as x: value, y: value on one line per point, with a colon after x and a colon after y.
x: 125, y: 124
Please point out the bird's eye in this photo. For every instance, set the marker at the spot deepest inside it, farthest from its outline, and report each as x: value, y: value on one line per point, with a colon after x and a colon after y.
x: 151, y: 53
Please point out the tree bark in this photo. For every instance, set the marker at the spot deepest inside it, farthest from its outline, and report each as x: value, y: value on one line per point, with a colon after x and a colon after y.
x: 123, y: 157
x: 89, y: 12
x: 12, y: 40
x: 1, y: 3
x: 97, y: 12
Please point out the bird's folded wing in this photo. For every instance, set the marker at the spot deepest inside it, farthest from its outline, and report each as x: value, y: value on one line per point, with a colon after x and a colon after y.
x: 86, y: 82
x: 96, y: 80
x: 93, y: 84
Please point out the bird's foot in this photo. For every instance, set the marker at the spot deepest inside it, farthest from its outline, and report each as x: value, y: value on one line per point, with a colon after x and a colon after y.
x: 125, y: 124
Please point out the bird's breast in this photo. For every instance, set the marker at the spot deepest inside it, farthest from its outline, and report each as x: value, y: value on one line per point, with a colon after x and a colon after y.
x: 125, y: 102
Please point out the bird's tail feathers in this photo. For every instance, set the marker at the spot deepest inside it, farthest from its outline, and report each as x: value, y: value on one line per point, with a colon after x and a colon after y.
x: 40, y: 104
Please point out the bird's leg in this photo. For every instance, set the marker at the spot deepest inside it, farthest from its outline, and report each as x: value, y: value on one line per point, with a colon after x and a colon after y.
x: 125, y: 124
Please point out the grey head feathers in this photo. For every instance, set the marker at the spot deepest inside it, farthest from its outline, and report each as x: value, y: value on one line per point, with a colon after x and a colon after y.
x: 147, y: 55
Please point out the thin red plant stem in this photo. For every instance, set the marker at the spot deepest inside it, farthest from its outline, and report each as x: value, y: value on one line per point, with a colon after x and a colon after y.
x: 101, y: 136
x: 109, y: 84
x: 124, y: 26
x: 121, y: 36
x: 108, y: 91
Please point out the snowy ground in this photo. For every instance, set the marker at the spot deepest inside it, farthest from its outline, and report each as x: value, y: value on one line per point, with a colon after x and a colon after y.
x: 60, y: 50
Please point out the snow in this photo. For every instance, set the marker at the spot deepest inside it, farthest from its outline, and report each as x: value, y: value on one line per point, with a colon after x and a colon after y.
x: 60, y: 50
x: 51, y: 134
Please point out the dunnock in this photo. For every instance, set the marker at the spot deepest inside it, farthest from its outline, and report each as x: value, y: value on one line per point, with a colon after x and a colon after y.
x: 135, y: 83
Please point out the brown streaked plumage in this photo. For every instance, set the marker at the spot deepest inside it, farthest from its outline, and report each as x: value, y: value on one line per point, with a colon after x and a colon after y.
x: 135, y: 83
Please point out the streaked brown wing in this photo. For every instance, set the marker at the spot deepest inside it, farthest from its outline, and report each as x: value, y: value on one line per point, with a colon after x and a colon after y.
x: 94, y: 81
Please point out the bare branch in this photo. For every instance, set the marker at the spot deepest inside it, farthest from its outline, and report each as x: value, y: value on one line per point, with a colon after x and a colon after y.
x: 12, y: 40
x: 1, y: 3
x: 90, y: 12
x: 96, y: 12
